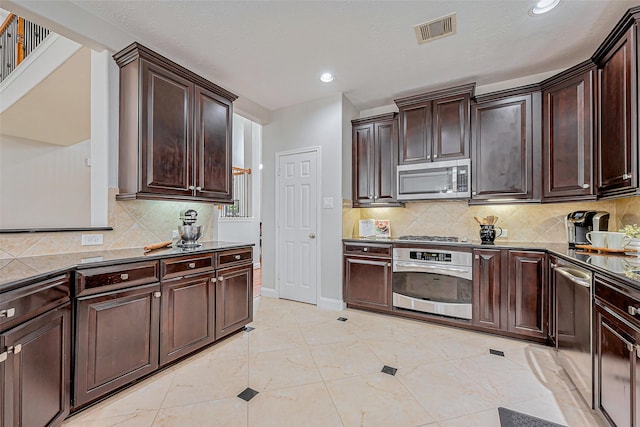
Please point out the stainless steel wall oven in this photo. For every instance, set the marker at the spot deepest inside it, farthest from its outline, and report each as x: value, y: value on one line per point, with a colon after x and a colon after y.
x: 433, y: 280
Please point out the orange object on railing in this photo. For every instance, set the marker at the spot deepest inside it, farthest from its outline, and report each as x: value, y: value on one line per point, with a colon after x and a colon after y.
x: 6, y: 22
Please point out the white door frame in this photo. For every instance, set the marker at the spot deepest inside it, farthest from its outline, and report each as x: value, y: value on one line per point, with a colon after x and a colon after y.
x: 280, y: 154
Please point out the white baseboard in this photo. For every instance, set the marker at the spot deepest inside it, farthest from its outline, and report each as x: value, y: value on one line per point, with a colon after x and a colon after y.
x: 268, y: 292
x: 331, y: 304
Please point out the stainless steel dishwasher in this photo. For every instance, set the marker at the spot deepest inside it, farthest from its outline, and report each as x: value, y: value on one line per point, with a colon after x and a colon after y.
x: 572, y: 298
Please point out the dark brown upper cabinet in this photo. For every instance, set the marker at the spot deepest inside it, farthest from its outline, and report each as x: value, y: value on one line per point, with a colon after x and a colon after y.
x: 505, y: 141
x: 374, y: 159
x: 617, y: 141
x: 567, y: 135
x: 435, y: 126
x: 175, y: 131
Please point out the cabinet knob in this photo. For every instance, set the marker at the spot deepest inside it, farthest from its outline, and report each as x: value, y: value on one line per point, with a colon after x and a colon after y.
x: 124, y: 276
x: 585, y: 186
x: 473, y: 193
x: 9, y: 312
x: 476, y: 256
x: 191, y: 187
x: 428, y: 157
x: 198, y: 188
x: 3, y: 356
x: 435, y: 156
x: 15, y: 349
x: 388, y: 264
x: 157, y: 294
x: 191, y: 265
x: 237, y: 257
x: 213, y: 279
x: 633, y: 310
x: 370, y: 196
x: 626, y: 176
x: 365, y: 249
x: 220, y: 279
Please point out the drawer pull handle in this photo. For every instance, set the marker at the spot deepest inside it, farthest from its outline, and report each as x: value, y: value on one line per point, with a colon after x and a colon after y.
x: 192, y: 187
x: 14, y: 349
x: 237, y: 257
x: 192, y: 265
x: 626, y: 176
x: 10, y: 312
x: 585, y: 186
x: 124, y: 276
x: 3, y: 357
x: 220, y: 279
x: 365, y: 249
x: 633, y: 310
x: 199, y: 188
x: 157, y: 294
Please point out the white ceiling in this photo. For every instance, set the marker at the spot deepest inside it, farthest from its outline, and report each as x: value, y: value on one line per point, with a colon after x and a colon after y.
x: 273, y: 52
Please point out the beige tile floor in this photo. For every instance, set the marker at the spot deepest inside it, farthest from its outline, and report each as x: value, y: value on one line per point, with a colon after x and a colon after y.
x: 312, y: 370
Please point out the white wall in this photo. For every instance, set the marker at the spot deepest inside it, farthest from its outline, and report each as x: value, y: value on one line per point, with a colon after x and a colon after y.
x: 247, y: 141
x: 317, y: 123
x: 44, y: 185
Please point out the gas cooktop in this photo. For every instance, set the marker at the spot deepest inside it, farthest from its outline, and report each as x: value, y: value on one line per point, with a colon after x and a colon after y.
x: 440, y: 239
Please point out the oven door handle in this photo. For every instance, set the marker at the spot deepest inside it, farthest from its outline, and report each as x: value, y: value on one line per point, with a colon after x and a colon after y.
x: 414, y: 266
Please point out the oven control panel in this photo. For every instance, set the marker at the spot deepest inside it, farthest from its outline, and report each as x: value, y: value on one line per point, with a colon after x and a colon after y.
x: 430, y: 256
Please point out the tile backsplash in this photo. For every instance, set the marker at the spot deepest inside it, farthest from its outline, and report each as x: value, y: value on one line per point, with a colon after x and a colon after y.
x: 135, y: 223
x: 524, y: 222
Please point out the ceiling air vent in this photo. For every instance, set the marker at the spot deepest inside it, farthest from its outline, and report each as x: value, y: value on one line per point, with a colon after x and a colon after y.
x: 436, y: 29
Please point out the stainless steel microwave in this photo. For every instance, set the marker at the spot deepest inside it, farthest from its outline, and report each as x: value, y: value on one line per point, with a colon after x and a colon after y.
x: 435, y: 180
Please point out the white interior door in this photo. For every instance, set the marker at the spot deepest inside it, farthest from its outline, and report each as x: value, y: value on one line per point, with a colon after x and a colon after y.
x: 297, y: 217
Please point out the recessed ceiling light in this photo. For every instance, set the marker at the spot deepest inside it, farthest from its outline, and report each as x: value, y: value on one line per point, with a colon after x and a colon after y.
x: 543, y: 6
x: 326, y: 77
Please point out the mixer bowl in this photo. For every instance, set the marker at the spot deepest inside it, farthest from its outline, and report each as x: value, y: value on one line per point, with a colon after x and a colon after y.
x: 190, y: 233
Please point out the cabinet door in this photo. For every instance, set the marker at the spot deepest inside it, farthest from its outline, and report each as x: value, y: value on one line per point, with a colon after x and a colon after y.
x: 567, y: 140
x: 386, y: 149
x: 502, y: 150
x: 618, y: 127
x: 166, y: 130
x: 415, y: 133
x: 451, y: 128
x: 527, y: 294
x: 367, y: 282
x: 37, y: 372
x: 234, y: 299
x: 486, y: 287
x: 116, y: 340
x: 213, y: 115
x: 614, y: 359
x: 363, y: 164
x: 187, y: 316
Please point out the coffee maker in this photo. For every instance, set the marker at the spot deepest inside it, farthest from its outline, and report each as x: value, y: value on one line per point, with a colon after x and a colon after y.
x: 579, y: 223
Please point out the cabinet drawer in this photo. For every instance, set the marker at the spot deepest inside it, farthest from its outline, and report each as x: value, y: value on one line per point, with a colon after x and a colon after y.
x: 234, y: 257
x: 619, y: 297
x: 116, y: 277
x: 186, y: 265
x: 368, y: 249
x: 24, y: 303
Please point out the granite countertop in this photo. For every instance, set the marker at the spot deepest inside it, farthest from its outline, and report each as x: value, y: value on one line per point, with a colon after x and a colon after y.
x: 625, y: 268
x: 16, y: 271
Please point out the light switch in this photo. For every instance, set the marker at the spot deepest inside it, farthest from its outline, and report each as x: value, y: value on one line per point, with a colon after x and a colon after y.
x: 327, y: 202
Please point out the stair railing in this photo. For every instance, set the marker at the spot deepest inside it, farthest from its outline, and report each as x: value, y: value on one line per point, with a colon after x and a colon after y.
x: 18, y: 38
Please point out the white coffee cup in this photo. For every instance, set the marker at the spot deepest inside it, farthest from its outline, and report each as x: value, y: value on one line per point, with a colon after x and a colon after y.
x: 617, y: 240
x: 598, y: 239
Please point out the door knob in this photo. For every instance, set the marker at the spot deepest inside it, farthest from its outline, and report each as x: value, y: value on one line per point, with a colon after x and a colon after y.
x: 191, y: 187
x: 312, y: 236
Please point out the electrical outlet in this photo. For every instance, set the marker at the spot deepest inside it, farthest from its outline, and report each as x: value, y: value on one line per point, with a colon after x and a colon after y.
x: 92, y: 239
x: 505, y: 233
x: 175, y: 234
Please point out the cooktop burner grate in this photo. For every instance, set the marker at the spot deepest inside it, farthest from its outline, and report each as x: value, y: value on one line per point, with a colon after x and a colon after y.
x: 430, y: 238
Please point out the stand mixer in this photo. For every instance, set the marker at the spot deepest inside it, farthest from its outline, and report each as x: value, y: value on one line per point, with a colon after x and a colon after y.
x: 189, y: 232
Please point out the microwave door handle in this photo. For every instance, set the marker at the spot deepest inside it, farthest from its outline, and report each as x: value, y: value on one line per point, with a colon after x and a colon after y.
x: 429, y: 267
x: 454, y: 179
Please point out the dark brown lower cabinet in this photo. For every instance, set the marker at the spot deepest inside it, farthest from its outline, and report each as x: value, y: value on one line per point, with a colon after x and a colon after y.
x: 234, y: 300
x: 187, y: 315
x: 116, y: 340
x: 35, y: 376
x: 616, y: 350
x: 527, y: 292
x: 367, y: 282
x: 487, y: 277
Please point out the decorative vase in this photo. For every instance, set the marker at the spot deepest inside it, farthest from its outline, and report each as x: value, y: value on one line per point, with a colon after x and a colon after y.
x: 488, y: 234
